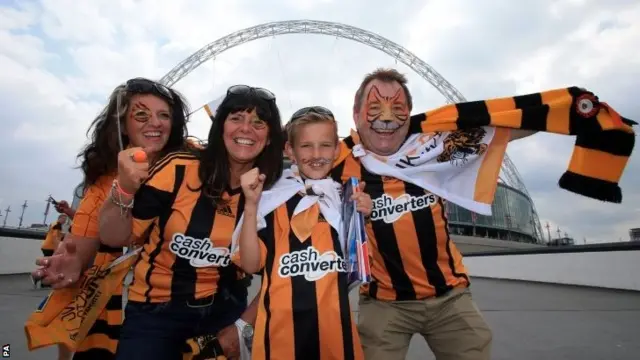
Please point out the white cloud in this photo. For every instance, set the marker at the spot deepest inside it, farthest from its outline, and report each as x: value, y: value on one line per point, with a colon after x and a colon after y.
x: 25, y: 48
x: 60, y: 60
x: 79, y: 22
x: 17, y: 18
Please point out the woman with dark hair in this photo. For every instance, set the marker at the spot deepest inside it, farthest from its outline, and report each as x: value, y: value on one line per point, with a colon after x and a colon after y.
x: 183, y: 210
x: 140, y: 113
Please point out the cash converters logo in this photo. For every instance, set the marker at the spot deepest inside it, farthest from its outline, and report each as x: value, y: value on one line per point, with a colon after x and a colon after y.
x: 199, y: 252
x: 310, y: 264
x: 389, y: 210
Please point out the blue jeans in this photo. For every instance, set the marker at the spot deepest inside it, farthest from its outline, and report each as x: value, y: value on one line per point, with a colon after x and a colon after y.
x: 159, y: 330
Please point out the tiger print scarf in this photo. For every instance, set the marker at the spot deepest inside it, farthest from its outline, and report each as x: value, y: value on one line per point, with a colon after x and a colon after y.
x: 604, y: 139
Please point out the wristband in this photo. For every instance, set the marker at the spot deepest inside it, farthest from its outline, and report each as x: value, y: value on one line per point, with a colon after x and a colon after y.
x: 119, y: 188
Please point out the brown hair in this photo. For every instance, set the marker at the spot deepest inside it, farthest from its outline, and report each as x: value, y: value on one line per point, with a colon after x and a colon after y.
x: 384, y: 75
x: 309, y: 118
x: 100, y: 156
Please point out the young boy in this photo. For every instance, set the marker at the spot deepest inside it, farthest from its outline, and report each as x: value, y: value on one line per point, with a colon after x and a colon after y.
x: 290, y: 235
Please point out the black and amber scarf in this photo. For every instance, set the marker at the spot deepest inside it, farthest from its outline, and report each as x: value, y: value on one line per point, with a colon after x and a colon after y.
x: 604, y: 139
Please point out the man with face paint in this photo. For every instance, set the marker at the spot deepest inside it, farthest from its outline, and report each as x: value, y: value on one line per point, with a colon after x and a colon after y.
x: 381, y: 111
x: 419, y: 282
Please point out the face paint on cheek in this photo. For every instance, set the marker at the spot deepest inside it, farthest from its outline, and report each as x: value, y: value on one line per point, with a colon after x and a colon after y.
x: 398, y: 106
x: 140, y: 112
x: 373, y: 104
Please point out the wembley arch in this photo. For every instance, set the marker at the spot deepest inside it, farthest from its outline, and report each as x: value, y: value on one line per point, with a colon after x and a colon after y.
x: 509, y: 173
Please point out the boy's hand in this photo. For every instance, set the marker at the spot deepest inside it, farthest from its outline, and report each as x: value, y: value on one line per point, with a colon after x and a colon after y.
x: 364, y: 204
x: 252, y: 182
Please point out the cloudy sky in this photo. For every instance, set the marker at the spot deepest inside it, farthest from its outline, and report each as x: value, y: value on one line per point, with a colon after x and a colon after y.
x: 60, y: 59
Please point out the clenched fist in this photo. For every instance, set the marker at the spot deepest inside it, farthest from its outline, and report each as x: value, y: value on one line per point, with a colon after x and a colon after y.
x: 252, y: 182
x: 133, y: 168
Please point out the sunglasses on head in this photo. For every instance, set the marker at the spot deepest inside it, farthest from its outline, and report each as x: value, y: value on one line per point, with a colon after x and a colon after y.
x: 246, y: 89
x: 320, y: 110
x: 140, y: 85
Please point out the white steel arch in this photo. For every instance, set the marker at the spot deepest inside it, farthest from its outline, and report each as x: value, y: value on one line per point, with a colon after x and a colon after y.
x: 509, y: 173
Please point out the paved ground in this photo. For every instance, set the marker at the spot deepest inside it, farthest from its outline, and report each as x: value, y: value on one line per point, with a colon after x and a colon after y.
x: 530, y: 321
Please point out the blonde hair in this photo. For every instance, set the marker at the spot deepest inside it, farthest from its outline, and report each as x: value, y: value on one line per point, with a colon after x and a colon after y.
x: 291, y: 129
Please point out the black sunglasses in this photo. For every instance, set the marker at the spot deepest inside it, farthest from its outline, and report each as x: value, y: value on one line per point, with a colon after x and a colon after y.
x: 140, y: 85
x: 246, y: 89
x: 320, y: 110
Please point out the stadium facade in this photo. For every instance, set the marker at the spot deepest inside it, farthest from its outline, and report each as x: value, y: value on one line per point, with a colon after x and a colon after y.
x: 512, y: 219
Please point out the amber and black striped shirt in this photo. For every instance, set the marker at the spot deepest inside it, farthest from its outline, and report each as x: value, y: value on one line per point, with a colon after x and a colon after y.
x: 413, y: 256
x: 186, y: 251
x: 304, y: 308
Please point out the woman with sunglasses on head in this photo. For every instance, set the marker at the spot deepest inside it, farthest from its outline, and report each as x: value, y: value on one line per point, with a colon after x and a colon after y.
x: 185, y: 209
x: 140, y: 113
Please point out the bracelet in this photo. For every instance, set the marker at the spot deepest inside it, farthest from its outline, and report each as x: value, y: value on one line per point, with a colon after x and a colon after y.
x: 116, y: 198
x: 119, y: 188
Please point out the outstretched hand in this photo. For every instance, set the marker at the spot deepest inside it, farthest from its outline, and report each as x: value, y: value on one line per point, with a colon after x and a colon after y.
x: 62, y: 269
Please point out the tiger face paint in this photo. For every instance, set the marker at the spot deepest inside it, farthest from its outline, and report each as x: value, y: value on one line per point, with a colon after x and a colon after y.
x: 148, y: 123
x: 383, y: 118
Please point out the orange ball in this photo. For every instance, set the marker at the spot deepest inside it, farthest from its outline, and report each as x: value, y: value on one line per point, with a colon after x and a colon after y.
x: 139, y: 156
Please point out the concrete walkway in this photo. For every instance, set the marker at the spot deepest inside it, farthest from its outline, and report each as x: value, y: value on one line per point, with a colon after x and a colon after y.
x: 530, y: 321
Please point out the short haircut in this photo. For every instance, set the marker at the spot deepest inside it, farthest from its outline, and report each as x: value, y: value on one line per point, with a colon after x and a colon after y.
x: 384, y: 75
x: 291, y: 129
